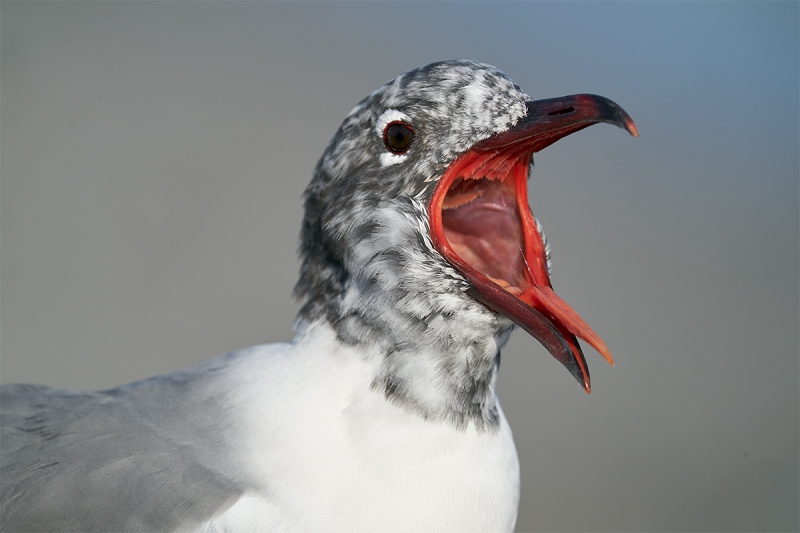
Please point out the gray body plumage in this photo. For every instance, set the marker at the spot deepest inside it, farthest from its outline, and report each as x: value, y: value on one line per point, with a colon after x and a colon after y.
x: 154, y: 452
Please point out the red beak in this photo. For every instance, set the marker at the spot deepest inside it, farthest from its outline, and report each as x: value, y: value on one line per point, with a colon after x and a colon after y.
x: 482, y: 224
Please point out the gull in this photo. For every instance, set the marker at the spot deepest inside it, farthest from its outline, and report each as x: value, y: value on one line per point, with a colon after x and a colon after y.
x: 419, y: 256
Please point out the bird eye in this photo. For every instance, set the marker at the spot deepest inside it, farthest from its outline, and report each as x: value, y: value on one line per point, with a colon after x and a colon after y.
x: 397, y: 137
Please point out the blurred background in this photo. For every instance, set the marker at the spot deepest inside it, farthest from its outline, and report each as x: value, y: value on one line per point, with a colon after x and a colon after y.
x: 154, y: 156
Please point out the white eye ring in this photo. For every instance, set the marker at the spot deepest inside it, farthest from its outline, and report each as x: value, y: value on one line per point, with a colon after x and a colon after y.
x: 387, y: 117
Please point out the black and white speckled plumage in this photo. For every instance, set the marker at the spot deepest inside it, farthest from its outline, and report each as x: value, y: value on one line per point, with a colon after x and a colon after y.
x: 368, y: 265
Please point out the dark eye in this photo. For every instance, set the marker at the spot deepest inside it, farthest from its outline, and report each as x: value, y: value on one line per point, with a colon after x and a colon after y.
x: 397, y: 137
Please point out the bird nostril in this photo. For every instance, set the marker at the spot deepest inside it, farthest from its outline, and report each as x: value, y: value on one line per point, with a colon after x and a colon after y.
x: 562, y: 111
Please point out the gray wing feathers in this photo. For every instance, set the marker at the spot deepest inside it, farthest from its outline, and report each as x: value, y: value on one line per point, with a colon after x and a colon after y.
x: 129, y: 459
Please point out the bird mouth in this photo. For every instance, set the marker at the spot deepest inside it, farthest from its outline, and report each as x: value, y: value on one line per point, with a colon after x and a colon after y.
x: 483, y: 226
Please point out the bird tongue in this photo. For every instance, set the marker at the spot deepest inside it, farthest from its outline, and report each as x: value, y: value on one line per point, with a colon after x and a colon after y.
x: 482, y: 225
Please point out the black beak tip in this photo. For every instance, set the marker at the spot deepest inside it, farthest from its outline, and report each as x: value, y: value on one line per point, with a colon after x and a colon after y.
x: 578, y: 368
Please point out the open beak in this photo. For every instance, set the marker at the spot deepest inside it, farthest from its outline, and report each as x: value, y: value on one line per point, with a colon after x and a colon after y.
x: 482, y: 224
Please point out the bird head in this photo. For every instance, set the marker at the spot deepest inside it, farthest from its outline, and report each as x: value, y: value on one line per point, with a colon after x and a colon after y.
x: 417, y: 224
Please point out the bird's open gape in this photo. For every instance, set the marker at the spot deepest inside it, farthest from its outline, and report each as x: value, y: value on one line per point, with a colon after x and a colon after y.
x: 481, y: 223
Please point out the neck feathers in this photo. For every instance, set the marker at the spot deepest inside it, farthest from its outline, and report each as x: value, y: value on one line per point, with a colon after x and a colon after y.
x: 373, y: 275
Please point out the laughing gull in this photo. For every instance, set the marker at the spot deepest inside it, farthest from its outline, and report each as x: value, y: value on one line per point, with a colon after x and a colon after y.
x: 419, y: 255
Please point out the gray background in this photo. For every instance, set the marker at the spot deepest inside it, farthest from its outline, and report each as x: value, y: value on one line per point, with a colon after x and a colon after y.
x: 154, y: 154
